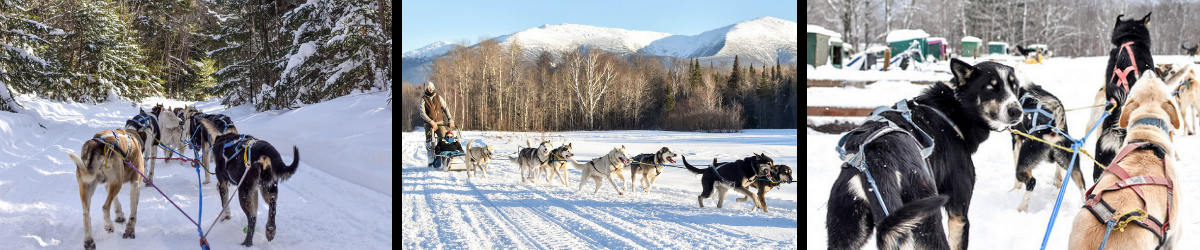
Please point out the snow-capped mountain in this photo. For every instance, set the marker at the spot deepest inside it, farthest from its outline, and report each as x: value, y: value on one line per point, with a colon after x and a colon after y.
x: 430, y: 51
x: 760, y: 41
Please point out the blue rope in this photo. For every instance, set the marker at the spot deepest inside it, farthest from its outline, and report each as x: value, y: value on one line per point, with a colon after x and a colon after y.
x: 1109, y: 224
x: 875, y: 190
x: 1075, y: 144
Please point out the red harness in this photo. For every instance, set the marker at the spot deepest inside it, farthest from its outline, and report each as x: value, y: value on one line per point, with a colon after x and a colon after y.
x: 1122, y: 75
x: 1104, y: 212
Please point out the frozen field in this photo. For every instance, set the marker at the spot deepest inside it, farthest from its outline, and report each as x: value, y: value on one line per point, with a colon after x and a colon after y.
x: 449, y: 211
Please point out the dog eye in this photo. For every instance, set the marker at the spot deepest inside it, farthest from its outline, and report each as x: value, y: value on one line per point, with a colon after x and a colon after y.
x: 989, y: 87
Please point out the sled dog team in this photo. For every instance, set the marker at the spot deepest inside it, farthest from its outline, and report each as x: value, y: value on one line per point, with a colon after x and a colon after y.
x: 117, y: 156
x: 911, y: 160
x: 533, y: 162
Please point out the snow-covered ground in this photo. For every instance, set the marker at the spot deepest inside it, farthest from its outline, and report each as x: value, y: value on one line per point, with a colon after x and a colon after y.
x: 339, y: 198
x: 449, y: 211
x: 995, y: 222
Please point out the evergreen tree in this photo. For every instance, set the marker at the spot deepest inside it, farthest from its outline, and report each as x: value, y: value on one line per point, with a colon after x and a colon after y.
x: 100, y: 54
x: 764, y: 86
x: 668, y: 98
x: 777, y: 69
x: 696, y: 77
x: 753, y: 73
x: 735, y: 78
x: 251, y: 49
x: 336, y: 49
x: 21, y: 41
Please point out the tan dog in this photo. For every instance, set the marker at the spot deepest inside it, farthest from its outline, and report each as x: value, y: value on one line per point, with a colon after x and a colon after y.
x: 478, y: 159
x: 1187, y: 94
x: 105, y: 159
x: 1149, y: 115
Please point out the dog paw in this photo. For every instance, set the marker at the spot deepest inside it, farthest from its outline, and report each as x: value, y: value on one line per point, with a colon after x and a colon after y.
x: 128, y: 234
x: 225, y: 217
x: 89, y: 244
x: 120, y: 218
x: 108, y: 228
x: 207, y: 181
x: 248, y: 242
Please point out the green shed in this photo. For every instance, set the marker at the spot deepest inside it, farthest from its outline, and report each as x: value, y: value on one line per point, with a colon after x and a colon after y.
x: 902, y: 40
x: 997, y: 48
x: 970, y: 46
x: 936, y: 47
x: 818, y: 45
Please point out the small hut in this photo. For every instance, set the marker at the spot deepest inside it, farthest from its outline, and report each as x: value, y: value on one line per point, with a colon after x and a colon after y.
x: 997, y: 48
x: 936, y: 47
x: 902, y: 40
x: 818, y: 45
x: 970, y: 46
x: 835, y: 52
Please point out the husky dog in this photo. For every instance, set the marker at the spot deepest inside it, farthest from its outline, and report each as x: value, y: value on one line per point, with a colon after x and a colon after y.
x: 148, y: 134
x: 1129, y: 59
x: 529, y: 159
x: 604, y: 168
x: 1042, y: 108
x: 222, y: 122
x: 200, y: 133
x: 779, y: 173
x: 1191, y: 51
x: 478, y: 158
x: 104, y: 160
x: 736, y: 175
x: 649, y: 172
x: 263, y: 171
x: 1187, y: 94
x: 558, y: 163
x: 171, y: 127
x: 1141, y: 178
x: 956, y: 116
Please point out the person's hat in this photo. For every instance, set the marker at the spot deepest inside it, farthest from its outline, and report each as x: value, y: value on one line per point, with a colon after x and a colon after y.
x: 450, y: 134
x: 429, y: 85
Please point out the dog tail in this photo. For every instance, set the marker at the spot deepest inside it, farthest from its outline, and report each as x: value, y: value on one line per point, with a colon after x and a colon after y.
x: 469, y: 143
x: 902, y: 221
x: 691, y: 168
x: 285, y: 171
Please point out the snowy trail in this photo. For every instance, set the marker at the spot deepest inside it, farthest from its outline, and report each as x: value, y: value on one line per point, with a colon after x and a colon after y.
x: 333, y: 200
x: 448, y: 210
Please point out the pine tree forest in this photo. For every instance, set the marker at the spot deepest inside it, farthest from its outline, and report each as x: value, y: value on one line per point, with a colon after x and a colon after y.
x: 272, y: 54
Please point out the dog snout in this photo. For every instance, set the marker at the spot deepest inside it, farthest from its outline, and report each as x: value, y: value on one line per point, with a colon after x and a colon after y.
x: 1014, y: 111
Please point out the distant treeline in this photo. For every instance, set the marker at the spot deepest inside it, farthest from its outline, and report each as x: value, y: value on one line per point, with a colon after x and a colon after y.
x: 494, y: 87
x: 1069, y: 27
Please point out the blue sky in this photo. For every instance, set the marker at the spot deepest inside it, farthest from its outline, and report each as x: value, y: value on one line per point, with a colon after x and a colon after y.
x: 426, y: 22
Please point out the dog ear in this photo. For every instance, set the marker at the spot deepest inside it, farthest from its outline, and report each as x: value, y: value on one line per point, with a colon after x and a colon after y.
x: 962, y: 71
x: 1130, y: 105
x: 1172, y: 109
x: 1146, y: 20
x: 1119, y: 19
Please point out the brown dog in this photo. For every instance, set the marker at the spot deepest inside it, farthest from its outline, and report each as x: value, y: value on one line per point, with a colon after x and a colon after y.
x: 1187, y: 94
x: 1140, y: 178
x: 105, y: 159
x: 779, y: 173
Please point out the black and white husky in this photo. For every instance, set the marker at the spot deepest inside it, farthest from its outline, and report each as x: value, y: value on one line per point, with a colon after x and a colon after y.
x: 736, y: 175
x: 529, y: 159
x: 149, y: 135
x: 200, y: 133
x: 263, y: 170
x: 1042, y: 108
x: 649, y: 172
x: 958, y: 115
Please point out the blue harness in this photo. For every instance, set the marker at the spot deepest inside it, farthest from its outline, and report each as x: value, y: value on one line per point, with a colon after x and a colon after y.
x: 1035, y: 113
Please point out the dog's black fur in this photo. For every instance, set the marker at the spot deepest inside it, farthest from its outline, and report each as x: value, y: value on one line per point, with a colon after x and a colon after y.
x: 740, y: 172
x: 1190, y: 51
x: 267, y: 169
x: 1111, y: 135
x: 979, y: 99
x: 222, y: 123
x: 1024, y: 51
x: 1030, y: 152
x: 150, y: 122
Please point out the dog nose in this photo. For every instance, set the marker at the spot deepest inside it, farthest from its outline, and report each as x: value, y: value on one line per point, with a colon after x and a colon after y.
x: 1014, y: 110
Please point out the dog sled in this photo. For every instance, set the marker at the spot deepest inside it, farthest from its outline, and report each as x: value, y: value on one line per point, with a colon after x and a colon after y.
x: 447, y: 160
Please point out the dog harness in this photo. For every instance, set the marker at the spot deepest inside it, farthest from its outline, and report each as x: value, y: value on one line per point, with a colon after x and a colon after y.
x: 221, y: 118
x: 1123, y: 75
x: 857, y: 160
x: 117, y: 148
x: 1105, y: 213
x: 241, y: 142
x: 1036, y: 112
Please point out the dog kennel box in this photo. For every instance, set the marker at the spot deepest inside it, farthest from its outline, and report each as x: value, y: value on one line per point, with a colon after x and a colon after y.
x: 997, y: 48
x: 936, y: 47
x: 903, y: 40
x: 835, y: 52
x: 818, y: 45
x: 970, y: 46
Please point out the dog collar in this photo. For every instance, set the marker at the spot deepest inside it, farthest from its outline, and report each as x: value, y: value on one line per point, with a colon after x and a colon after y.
x: 1153, y: 122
